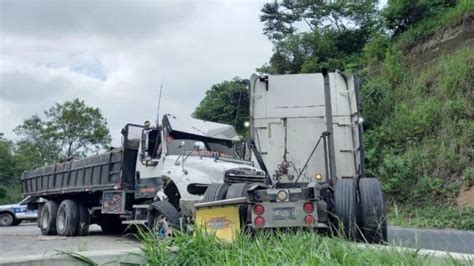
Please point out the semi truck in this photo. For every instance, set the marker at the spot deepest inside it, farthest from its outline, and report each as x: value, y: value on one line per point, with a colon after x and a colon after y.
x: 153, y: 178
x: 306, y: 135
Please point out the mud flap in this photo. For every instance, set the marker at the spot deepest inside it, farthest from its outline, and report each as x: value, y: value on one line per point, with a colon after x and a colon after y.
x: 223, y: 220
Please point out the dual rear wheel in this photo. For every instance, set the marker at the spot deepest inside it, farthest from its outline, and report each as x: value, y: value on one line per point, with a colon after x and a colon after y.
x: 360, y: 210
x: 68, y: 218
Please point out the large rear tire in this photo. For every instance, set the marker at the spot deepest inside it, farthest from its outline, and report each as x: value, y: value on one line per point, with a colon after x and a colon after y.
x: 162, y: 219
x: 84, y: 220
x: 236, y: 191
x: 48, y: 218
x: 40, y: 210
x: 346, y: 207
x: 67, y: 218
x: 215, y: 192
x: 372, y: 220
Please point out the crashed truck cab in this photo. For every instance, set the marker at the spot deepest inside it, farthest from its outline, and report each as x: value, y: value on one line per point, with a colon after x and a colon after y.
x: 306, y: 134
x: 181, y: 158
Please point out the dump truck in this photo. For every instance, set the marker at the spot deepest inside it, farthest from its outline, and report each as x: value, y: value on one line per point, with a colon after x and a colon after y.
x: 306, y: 135
x: 154, y: 179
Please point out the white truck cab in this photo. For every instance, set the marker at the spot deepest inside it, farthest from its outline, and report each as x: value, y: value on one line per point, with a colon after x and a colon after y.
x: 182, y: 157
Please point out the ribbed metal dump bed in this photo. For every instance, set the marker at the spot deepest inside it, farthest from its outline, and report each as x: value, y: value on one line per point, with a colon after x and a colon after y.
x: 94, y: 173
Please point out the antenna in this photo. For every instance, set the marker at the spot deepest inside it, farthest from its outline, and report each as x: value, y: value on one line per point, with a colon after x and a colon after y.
x: 158, y: 109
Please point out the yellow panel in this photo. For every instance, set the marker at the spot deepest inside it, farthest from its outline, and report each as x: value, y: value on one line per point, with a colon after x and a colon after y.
x: 222, y: 220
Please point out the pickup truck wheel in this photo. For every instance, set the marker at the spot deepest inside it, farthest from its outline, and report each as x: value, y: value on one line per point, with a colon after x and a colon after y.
x: 6, y: 219
x: 346, y: 207
x: 84, y: 220
x: 236, y: 191
x: 48, y: 218
x: 67, y: 218
x: 215, y: 192
x: 162, y: 218
x: 372, y: 220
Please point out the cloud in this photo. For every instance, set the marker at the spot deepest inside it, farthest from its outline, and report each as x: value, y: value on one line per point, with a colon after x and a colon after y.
x: 114, y: 55
x: 117, y: 19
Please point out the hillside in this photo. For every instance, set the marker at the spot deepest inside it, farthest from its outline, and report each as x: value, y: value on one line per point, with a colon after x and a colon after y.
x: 418, y: 104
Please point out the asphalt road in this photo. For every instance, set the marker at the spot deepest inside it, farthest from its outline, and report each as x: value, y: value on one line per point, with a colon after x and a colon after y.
x: 444, y: 240
x: 26, y: 239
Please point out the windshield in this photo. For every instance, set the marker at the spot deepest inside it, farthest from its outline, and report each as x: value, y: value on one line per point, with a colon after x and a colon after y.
x: 212, y: 147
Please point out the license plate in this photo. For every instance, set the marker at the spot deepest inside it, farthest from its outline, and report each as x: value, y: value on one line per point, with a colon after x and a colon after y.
x: 284, y: 213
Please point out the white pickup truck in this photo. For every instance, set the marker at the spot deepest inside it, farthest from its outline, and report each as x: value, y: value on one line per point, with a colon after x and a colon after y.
x: 14, y: 214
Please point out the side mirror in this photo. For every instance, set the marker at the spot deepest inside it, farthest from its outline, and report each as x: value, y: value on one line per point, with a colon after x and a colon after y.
x: 144, y: 146
x: 181, y: 145
x: 199, y: 146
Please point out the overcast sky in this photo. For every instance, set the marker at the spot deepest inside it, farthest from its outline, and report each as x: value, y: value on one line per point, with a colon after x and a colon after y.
x: 115, y: 54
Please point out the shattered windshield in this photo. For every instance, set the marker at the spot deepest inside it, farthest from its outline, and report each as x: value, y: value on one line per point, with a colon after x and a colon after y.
x: 212, y: 147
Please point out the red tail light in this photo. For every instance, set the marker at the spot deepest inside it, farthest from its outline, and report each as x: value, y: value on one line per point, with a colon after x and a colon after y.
x: 309, y: 219
x: 258, y: 209
x: 308, y: 207
x: 259, y: 221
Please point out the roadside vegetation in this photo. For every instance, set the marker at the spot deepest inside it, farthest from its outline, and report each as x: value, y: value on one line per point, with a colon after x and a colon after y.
x: 432, y: 217
x: 298, y: 248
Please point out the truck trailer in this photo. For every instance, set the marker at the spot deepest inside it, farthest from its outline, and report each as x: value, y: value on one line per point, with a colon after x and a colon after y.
x: 154, y: 178
x: 306, y: 135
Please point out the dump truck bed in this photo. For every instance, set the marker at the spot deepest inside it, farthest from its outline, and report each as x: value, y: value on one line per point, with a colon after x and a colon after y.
x: 112, y: 170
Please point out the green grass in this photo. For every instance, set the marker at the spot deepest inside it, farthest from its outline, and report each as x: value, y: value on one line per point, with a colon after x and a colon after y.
x: 296, y: 248
x: 425, y: 28
x: 440, y: 217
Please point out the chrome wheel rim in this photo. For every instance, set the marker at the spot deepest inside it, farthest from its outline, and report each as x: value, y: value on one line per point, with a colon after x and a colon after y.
x: 44, y: 220
x: 162, y: 227
x: 61, y: 219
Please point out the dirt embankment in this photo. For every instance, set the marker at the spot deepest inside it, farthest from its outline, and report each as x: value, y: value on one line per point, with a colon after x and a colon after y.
x: 442, y: 42
x: 425, y: 52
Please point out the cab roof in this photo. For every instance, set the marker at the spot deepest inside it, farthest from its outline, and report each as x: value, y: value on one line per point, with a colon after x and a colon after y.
x: 200, y: 128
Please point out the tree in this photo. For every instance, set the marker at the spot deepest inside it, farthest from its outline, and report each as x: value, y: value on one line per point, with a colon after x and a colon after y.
x: 69, y: 129
x: 9, y: 173
x: 281, y: 17
x: 401, y: 14
x: 7, y: 163
x: 336, y: 32
x: 226, y: 102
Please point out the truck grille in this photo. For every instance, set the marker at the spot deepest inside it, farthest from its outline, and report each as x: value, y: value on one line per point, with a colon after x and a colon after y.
x: 244, y: 175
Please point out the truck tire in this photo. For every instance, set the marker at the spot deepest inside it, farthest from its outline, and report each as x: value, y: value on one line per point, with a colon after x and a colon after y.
x: 84, y: 220
x: 67, y: 218
x: 48, y: 218
x: 372, y: 220
x: 111, y: 224
x: 346, y: 207
x: 162, y: 218
x: 236, y: 191
x: 215, y: 192
x: 6, y: 219
x: 40, y: 210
